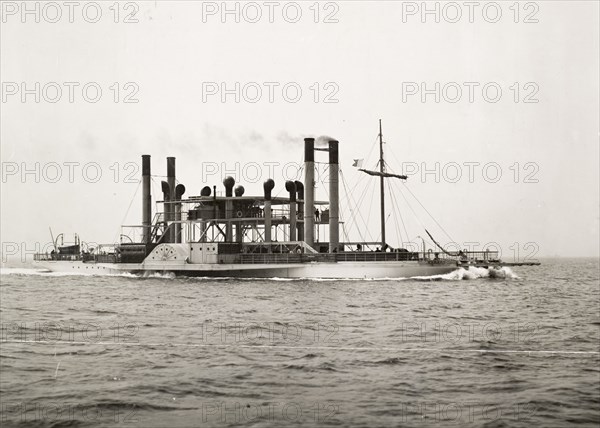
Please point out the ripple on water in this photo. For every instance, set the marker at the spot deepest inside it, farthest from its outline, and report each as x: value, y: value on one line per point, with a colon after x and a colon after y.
x: 379, y: 350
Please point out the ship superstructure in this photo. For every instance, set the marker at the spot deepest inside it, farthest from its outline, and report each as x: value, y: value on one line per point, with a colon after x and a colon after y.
x: 234, y: 235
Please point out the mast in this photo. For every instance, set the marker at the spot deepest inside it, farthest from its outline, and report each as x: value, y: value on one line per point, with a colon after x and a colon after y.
x: 382, y: 187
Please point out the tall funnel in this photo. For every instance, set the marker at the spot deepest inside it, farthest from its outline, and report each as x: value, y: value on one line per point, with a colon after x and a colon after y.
x: 290, y: 186
x: 166, y: 203
x: 170, y: 207
x: 300, y: 190
x: 229, y: 182
x: 334, y: 197
x: 268, y: 187
x: 179, y: 191
x: 309, y: 191
x: 146, y: 200
x: 239, y: 230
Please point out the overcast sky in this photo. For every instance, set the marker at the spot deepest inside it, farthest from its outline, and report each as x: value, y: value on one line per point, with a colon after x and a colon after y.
x: 541, y: 132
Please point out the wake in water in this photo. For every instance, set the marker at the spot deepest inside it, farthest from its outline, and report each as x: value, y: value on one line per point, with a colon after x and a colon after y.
x: 23, y: 271
x: 457, y: 275
x: 472, y: 273
x: 46, y: 272
x: 157, y: 275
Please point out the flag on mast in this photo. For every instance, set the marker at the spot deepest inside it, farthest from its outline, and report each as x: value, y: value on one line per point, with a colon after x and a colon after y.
x: 357, y: 163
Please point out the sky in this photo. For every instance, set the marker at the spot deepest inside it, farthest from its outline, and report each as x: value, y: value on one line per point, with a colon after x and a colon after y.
x: 500, y: 103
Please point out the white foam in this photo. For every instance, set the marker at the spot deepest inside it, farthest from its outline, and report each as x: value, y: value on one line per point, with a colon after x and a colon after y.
x: 47, y: 272
x: 459, y: 274
x: 159, y: 275
x: 473, y: 272
x: 23, y: 271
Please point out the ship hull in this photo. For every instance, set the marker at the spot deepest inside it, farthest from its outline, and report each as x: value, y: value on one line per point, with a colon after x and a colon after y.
x: 338, y: 270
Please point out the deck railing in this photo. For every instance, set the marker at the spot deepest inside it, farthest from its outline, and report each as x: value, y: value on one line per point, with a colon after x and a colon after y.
x: 362, y: 256
x: 92, y: 258
x: 41, y: 257
x: 301, y: 257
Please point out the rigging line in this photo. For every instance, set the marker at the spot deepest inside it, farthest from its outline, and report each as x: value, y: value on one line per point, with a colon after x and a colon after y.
x: 371, y: 190
x: 352, y: 211
x: 402, y: 223
x: 410, y: 207
x: 391, y: 209
x: 375, y: 143
x: 340, y: 211
x: 350, y: 208
x: 366, y: 160
x: 397, y: 205
x: 344, y: 233
x: 396, y: 209
x: 322, y: 181
x: 128, y: 208
x: 368, y: 157
x: 397, y: 160
x: 414, y: 213
x: 325, y: 188
x: 347, y: 195
x: 362, y: 195
x: 371, y: 204
x: 432, y: 217
x: 348, y: 185
x: 367, y: 188
x: 299, y: 173
x: 344, y: 226
x: 395, y: 198
x: 358, y: 213
x: 386, y: 222
x: 345, y: 199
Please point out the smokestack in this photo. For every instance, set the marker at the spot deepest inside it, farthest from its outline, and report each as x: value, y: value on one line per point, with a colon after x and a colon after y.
x: 309, y: 189
x: 300, y: 190
x: 334, y: 197
x: 268, y: 187
x: 170, y: 208
x: 205, y: 191
x: 179, y: 191
x: 166, y: 199
x: 290, y: 186
x: 239, y: 232
x: 146, y: 200
x: 229, y: 182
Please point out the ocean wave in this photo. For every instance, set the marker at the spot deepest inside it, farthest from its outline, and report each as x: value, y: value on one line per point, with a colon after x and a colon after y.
x: 23, y: 271
x: 472, y: 272
x: 47, y: 272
